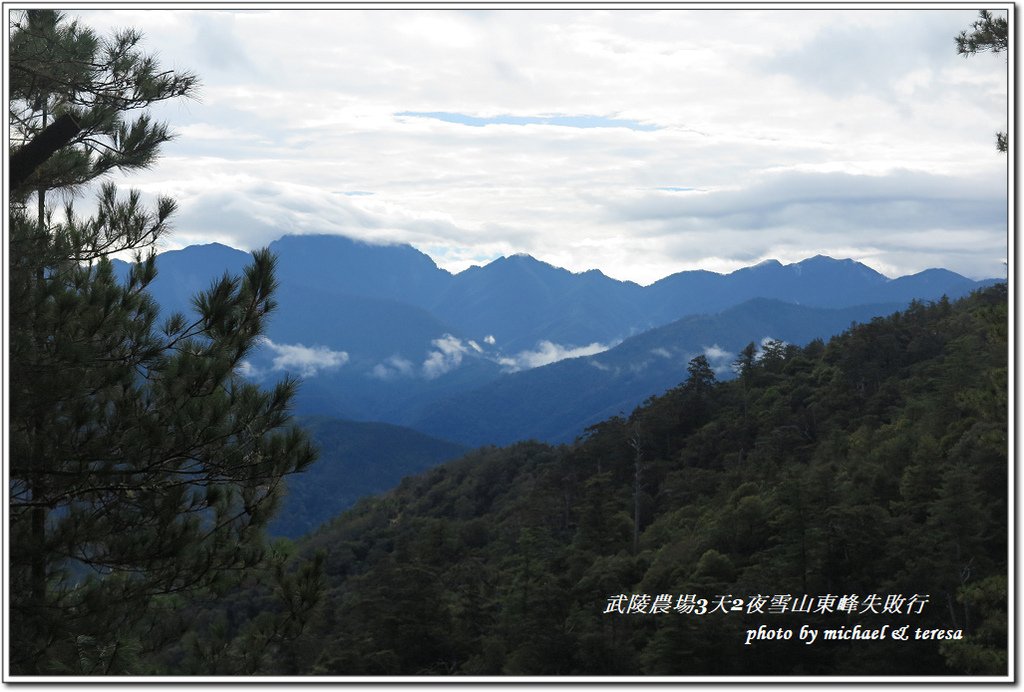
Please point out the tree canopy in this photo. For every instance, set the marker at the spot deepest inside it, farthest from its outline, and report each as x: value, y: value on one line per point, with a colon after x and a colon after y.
x: 988, y: 34
x: 99, y: 89
x: 142, y: 467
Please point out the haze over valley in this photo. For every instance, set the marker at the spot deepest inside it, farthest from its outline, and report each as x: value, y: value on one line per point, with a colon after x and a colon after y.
x: 513, y: 350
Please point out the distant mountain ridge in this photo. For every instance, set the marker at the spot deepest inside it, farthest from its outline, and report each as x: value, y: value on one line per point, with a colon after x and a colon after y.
x: 527, y: 300
x: 381, y: 333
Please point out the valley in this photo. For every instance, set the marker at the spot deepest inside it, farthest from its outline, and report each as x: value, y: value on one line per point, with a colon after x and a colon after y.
x: 404, y: 365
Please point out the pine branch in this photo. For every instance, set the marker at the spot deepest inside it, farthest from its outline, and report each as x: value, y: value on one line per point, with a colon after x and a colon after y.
x: 25, y: 161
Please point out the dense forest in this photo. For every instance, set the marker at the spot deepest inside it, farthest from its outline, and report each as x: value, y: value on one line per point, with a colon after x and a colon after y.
x: 856, y: 473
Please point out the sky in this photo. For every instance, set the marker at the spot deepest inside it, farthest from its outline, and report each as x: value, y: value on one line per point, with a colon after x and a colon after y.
x: 634, y: 141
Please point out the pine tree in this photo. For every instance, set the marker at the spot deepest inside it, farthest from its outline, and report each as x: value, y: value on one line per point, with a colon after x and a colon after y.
x: 142, y: 468
x: 701, y: 378
x: 988, y: 34
x: 71, y: 93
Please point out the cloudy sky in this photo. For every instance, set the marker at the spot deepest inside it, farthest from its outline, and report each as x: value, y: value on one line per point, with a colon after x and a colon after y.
x: 637, y: 142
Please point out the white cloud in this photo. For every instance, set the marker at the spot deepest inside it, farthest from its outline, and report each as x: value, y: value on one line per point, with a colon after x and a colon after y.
x: 392, y: 368
x: 446, y: 357
x: 840, y: 91
x: 248, y: 370
x: 199, y: 131
x: 719, y: 359
x: 548, y: 352
x: 306, y: 361
x: 716, y: 353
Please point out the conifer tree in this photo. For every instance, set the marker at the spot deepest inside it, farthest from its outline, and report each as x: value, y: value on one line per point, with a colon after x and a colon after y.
x: 141, y: 468
x: 989, y: 33
x: 701, y: 377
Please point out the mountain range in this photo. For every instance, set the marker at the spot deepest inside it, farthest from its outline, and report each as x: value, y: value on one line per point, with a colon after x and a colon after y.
x: 519, y: 348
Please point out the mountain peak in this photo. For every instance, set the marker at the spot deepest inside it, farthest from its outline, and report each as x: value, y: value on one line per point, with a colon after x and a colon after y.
x: 937, y: 272
x: 826, y: 264
x: 352, y: 266
x: 524, y: 259
x: 215, y: 246
x: 760, y: 266
x: 824, y: 259
x: 319, y: 241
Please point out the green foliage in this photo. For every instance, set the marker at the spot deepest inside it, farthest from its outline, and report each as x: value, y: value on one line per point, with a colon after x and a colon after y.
x: 872, y: 464
x: 984, y: 652
x: 57, y: 67
x: 142, y: 468
x: 988, y: 34
x: 266, y: 632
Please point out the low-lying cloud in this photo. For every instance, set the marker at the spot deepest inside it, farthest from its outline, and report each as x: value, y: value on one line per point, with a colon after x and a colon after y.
x: 446, y: 356
x: 548, y: 352
x: 394, y: 367
x: 448, y: 353
x: 719, y: 359
x: 306, y: 361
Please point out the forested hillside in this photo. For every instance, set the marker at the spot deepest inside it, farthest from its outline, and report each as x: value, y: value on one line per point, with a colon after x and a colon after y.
x: 868, y: 474
x: 356, y: 460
